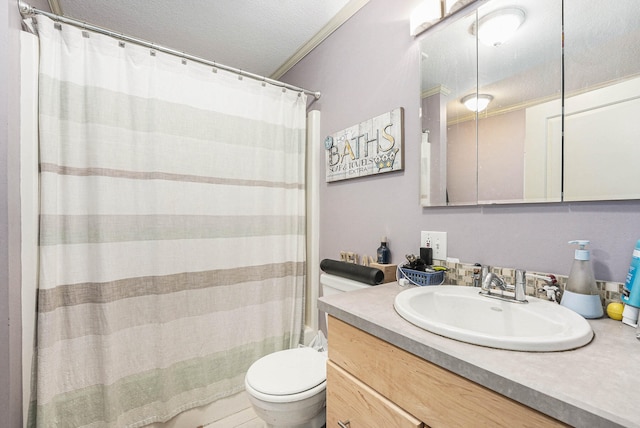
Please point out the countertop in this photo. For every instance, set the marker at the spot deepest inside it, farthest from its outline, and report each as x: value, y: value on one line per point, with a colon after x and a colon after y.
x: 597, y: 385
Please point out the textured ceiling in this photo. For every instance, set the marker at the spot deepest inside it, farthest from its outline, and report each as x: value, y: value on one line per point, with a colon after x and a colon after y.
x: 257, y: 36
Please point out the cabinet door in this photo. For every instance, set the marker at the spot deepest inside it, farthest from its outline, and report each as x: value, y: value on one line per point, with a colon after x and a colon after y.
x: 355, y: 405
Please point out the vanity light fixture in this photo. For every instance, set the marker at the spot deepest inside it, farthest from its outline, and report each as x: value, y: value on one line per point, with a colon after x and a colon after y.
x: 424, y: 16
x: 497, y: 27
x: 475, y: 102
x: 451, y: 6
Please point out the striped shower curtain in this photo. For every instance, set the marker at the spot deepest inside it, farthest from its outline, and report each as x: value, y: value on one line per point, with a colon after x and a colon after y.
x: 172, y: 230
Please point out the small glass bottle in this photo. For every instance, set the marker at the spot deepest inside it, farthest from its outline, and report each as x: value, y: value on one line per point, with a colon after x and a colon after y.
x: 384, y: 254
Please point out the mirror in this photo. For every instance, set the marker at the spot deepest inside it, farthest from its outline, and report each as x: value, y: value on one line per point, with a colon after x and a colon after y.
x: 602, y: 100
x: 513, y: 151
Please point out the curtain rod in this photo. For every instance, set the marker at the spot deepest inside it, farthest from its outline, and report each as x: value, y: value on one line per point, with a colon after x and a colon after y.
x: 26, y: 11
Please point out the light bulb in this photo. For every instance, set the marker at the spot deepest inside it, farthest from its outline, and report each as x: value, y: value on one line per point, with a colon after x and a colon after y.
x: 498, y: 26
x: 476, y: 103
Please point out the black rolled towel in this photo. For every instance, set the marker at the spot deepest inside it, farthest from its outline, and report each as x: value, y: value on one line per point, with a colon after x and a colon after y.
x: 365, y: 274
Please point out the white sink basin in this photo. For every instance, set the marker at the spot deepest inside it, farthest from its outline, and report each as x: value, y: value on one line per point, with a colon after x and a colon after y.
x: 461, y: 313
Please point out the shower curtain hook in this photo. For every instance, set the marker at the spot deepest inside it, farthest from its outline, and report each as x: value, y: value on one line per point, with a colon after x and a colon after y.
x: 85, y: 33
x: 152, y: 51
x: 239, y: 74
x: 214, y: 69
x: 264, y: 81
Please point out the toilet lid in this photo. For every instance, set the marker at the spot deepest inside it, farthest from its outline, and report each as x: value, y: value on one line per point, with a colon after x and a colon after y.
x: 288, y: 372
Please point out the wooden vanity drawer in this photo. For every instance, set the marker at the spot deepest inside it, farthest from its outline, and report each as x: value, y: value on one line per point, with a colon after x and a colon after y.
x: 434, y: 395
x: 349, y: 400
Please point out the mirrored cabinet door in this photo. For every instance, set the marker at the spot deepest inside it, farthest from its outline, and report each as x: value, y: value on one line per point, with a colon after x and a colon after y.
x: 449, y: 156
x: 602, y: 100
x: 518, y: 72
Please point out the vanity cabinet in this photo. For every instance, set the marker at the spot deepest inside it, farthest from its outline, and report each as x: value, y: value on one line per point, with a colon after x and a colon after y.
x: 370, y: 378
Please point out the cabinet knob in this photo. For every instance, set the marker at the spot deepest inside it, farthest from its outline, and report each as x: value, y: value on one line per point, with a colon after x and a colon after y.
x: 344, y: 424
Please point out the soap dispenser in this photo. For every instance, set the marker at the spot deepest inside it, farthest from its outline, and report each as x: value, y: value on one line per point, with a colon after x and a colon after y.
x: 581, y: 293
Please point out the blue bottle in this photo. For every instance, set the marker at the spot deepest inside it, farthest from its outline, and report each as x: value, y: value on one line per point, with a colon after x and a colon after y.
x: 634, y: 270
x: 634, y: 297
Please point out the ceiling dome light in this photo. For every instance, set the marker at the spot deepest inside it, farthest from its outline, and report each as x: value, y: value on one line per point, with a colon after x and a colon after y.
x: 497, y: 27
x: 476, y: 103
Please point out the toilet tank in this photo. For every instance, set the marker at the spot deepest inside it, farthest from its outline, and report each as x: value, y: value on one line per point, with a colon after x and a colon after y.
x: 333, y: 284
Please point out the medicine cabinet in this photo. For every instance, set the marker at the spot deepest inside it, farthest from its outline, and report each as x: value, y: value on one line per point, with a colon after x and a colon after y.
x: 521, y: 148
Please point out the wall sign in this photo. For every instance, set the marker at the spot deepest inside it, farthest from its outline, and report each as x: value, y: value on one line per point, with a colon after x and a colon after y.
x: 375, y: 146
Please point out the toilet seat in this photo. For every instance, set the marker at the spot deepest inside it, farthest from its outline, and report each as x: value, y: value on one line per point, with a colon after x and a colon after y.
x: 289, y: 375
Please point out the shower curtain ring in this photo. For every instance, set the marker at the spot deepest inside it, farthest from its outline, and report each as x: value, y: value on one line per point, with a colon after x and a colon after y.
x: 85, y: 33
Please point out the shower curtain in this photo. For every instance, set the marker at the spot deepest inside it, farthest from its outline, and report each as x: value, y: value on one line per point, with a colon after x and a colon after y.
x: 172, y: 230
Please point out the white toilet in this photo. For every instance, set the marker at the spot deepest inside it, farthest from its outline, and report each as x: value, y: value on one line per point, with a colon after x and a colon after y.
x: 287, y: 388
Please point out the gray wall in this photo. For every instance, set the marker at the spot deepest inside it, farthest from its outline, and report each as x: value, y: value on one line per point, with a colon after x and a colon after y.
x: 10, y: 324
x: 370, y: 66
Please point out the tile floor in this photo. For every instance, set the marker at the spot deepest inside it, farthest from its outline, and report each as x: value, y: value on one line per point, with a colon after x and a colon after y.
x: 244, y: 419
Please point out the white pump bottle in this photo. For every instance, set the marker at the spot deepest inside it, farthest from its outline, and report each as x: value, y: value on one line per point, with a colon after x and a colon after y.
x: 581, y: 293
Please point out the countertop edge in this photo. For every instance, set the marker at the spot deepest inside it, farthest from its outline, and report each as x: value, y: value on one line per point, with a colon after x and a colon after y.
x: 557, y: 408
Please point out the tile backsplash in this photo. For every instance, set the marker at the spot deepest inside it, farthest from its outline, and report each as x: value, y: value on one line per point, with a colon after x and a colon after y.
x: 462, y: 274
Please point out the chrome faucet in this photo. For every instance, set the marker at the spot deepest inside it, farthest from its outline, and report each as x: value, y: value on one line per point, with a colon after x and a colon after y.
x: 484, y: 272
x: 515, y: 293
x: 493, y: 281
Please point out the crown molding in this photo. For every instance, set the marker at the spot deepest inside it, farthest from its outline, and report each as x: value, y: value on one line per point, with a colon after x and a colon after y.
x: 438, y: 89
x: 341, y: 17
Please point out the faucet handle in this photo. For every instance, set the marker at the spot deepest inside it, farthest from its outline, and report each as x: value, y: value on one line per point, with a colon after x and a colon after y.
x: 485, y: 271
x: 520, y: 286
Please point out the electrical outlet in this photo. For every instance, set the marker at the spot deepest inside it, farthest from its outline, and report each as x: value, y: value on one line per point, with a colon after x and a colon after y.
x: 437, y: 241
